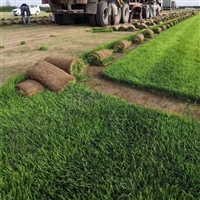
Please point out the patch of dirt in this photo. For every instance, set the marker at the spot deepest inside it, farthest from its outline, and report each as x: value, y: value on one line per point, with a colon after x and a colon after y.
x: 72, y: 41
x: 61, y: 40
x: 140, y: 97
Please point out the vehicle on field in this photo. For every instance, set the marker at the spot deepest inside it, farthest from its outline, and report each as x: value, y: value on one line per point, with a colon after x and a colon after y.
x: 66, y: 11
x: 173, y: 5
x: 169, y: 5
x: 34, y: 10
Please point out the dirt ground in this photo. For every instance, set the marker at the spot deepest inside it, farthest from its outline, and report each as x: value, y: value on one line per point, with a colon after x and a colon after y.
x: 72, y: 41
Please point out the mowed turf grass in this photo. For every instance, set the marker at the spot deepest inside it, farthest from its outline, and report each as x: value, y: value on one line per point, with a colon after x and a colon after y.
x: 169, y: 62
x: 79, y: 144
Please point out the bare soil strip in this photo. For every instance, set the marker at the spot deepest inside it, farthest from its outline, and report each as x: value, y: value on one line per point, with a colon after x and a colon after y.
x: 149, y: 99
x: 146, y: 99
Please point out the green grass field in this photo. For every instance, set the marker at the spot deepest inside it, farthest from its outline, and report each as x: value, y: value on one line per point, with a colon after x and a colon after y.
x: 169, y: 63
x: 79, y: 144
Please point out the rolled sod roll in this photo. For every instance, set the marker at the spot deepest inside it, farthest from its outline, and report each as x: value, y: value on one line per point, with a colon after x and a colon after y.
x: 176, y: 21
x: 126, y: 27
x: 148, y: 33
x: 115, y: 27
x: 122, y: 28
x: 135, y: 23
x: 100, y: 57
x: 7, y: 22
x: 30, y: 87
x: 157, y: 30
x: 137, y: 38
x: 164, y: 19
x: 130, y: 27
x: 156, y: 21
x: 15, y: 21
x: 50, y: 76
x: 72, y: 66
x: 149, y: 23
x: 164, y: 27
x: 121, y: 46
x: 142, y: 26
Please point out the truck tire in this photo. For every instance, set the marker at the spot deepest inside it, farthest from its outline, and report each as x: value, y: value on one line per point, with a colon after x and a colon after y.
x: 125, y: 13
x: 92, y: 20
x: 68, y: 19
x: 102, y: 14
x: 58, y: 19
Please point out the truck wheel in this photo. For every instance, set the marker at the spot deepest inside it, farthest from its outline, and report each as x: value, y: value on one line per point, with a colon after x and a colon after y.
x: 58, y: 19
x: 125, y: 13
x: 102, y: 14
x: 92, y: 20
x: 68, y: 19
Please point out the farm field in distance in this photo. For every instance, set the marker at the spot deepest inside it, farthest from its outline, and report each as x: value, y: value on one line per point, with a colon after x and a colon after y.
x: 82, y: 144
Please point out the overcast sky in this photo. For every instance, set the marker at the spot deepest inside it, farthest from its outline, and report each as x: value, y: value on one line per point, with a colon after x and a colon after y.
x: 19, y: 2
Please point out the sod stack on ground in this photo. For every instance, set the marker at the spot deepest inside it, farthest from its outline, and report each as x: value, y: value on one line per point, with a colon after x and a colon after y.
x: 122, y: 46
x: 30, y: 87
x: 137, y: 39
x: 50, y: 76
x: 126, y: 27
x: 71, y: 65
x: 101, y: 57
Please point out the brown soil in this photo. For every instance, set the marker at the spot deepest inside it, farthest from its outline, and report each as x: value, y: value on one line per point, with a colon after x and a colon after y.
x: 72, y: 41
